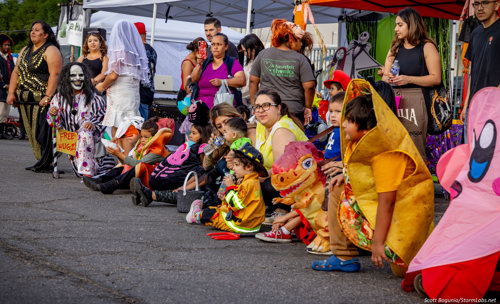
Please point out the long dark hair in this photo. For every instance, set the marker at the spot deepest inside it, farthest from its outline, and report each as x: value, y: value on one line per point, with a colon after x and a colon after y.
x: 276, y: 99
x: 65, y: 89
x: 205, y: 133
x: 47, y: 30
x: 417, y: 34
x: 252, y: 45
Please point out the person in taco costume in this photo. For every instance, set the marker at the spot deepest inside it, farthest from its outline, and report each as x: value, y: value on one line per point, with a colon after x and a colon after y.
x: 388, y: 202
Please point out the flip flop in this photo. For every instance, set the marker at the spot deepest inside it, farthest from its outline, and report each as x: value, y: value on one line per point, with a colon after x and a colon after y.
x: 334, y: 263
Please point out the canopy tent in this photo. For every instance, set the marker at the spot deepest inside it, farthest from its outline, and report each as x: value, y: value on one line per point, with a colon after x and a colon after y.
x: 446, y: 9
x: 234, y: 13
x: 171, y: 39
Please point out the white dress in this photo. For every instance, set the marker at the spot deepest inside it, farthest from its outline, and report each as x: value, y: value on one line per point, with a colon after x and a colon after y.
x: 122, y: 100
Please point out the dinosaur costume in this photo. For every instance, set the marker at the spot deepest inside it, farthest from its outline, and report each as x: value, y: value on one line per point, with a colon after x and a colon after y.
x: 412, y: 219
x: 301, y: 183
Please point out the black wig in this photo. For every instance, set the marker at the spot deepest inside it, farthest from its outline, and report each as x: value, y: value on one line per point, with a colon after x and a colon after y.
x: 66, y: 90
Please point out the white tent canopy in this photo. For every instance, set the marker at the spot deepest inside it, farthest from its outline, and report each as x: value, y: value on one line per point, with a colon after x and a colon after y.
x: 230, y: 12
x: 170, y: 39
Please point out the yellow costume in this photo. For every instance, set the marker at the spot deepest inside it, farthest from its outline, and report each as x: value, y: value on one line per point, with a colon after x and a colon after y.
x: 242, y: 210
x: 413, y: 215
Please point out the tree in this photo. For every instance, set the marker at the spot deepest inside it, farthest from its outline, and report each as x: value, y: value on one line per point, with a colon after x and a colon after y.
x: 16, y: 18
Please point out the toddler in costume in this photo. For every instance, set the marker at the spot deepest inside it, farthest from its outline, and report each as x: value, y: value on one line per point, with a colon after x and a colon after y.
x: 171, y: 172
x: 388, y: 201
x: 243, y: 209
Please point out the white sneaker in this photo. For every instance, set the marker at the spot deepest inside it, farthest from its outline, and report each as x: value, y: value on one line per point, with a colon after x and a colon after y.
x: 196, y: 207
x: 270, y: 219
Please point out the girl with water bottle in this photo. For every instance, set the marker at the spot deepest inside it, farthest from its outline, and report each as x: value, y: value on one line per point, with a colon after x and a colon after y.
x: 412, y: 64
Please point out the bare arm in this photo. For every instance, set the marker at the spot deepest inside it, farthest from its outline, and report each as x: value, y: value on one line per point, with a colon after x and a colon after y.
x: 466, y: 103
x: 196, y: 73
x: 309, y: 90
x: 80, y: 59
x: 385, y: 210
x: 186, y: 68
x: 389, y: 59
x: 433, y: 63
x: 54, y: 61
x: 108, y: 81
x: 239, y: 80
x: 253, y: 88
x: 99, y: 78
x: 281, y: 138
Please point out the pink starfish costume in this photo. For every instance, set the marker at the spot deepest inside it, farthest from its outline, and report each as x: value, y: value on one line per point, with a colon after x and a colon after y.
x: 459, y: 258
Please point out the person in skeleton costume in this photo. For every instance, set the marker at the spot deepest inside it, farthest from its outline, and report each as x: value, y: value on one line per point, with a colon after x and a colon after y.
x: 78, y: 108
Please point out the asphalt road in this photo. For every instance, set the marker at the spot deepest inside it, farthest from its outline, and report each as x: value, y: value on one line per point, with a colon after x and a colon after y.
x: 62, y: 243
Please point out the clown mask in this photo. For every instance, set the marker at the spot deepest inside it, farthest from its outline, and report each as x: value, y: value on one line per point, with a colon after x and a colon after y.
x: 76, y: 77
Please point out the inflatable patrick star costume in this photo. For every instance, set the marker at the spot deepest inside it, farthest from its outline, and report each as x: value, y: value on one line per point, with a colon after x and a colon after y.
x: 460, y: 257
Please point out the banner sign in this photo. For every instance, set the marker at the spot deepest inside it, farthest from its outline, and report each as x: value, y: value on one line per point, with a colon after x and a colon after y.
x: 66, y: 142
x: 71, y: 24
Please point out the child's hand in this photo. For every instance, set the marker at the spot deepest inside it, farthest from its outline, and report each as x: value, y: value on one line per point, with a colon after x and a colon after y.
x: 88, y: 126
x: 112, y: 151
x: 332, y: 168
x: 230, y: 160
x: 336, y: 181
x: 378, y: 255
x: 53, y: 111
x: 228, y: 181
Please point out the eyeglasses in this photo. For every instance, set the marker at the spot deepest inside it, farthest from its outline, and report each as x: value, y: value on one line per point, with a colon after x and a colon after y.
x: 265, y: 107
x: 7, y: 44
x: 482, y: 4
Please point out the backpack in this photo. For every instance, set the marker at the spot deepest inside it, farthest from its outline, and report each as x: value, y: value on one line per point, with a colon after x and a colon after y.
x: 228, y: 61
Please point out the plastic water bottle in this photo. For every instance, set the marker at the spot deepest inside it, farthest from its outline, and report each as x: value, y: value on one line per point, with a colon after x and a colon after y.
x: 210, y: 148
x: 395, y: 69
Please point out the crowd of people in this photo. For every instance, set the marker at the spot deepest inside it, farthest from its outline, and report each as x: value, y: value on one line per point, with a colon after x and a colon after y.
x: 363, y: 184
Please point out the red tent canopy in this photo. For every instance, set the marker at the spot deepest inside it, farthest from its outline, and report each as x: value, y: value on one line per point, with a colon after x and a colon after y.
x: 446, y: 9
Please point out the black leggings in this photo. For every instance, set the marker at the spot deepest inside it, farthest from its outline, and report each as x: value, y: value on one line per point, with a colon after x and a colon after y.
x: 268, y: 192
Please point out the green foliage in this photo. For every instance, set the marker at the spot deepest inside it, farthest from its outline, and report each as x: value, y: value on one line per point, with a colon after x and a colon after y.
x: 16, y: 18
x: 439, y: 31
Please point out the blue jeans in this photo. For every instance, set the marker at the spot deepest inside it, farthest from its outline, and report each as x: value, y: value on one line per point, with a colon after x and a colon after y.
x: 144, y: 110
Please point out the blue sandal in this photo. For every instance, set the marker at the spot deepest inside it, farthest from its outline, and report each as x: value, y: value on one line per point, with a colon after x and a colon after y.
x: 334, y: 263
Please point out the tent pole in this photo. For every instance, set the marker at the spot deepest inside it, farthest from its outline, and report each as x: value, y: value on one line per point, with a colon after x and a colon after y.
x: 155, y: 7
x: 249, y: 16
x: 339, y: 28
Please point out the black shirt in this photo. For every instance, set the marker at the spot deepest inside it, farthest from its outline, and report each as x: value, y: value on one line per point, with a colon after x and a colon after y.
x: 411, y: 63
x: 484, y: 54
x: 94, y: 66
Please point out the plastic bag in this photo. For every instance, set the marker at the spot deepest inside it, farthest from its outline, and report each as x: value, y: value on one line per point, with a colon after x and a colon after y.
x: 224, y: 94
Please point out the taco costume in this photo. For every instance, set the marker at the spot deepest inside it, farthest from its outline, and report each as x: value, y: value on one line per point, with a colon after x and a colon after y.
x: 412, y: 219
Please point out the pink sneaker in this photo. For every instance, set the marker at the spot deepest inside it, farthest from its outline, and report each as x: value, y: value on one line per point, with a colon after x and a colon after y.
x: 274, y: 237
x: 195, y: 209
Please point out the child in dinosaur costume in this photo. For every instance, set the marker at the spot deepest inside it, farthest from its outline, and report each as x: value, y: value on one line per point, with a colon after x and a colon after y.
x: 301, y: 183
x: 387, y: 185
